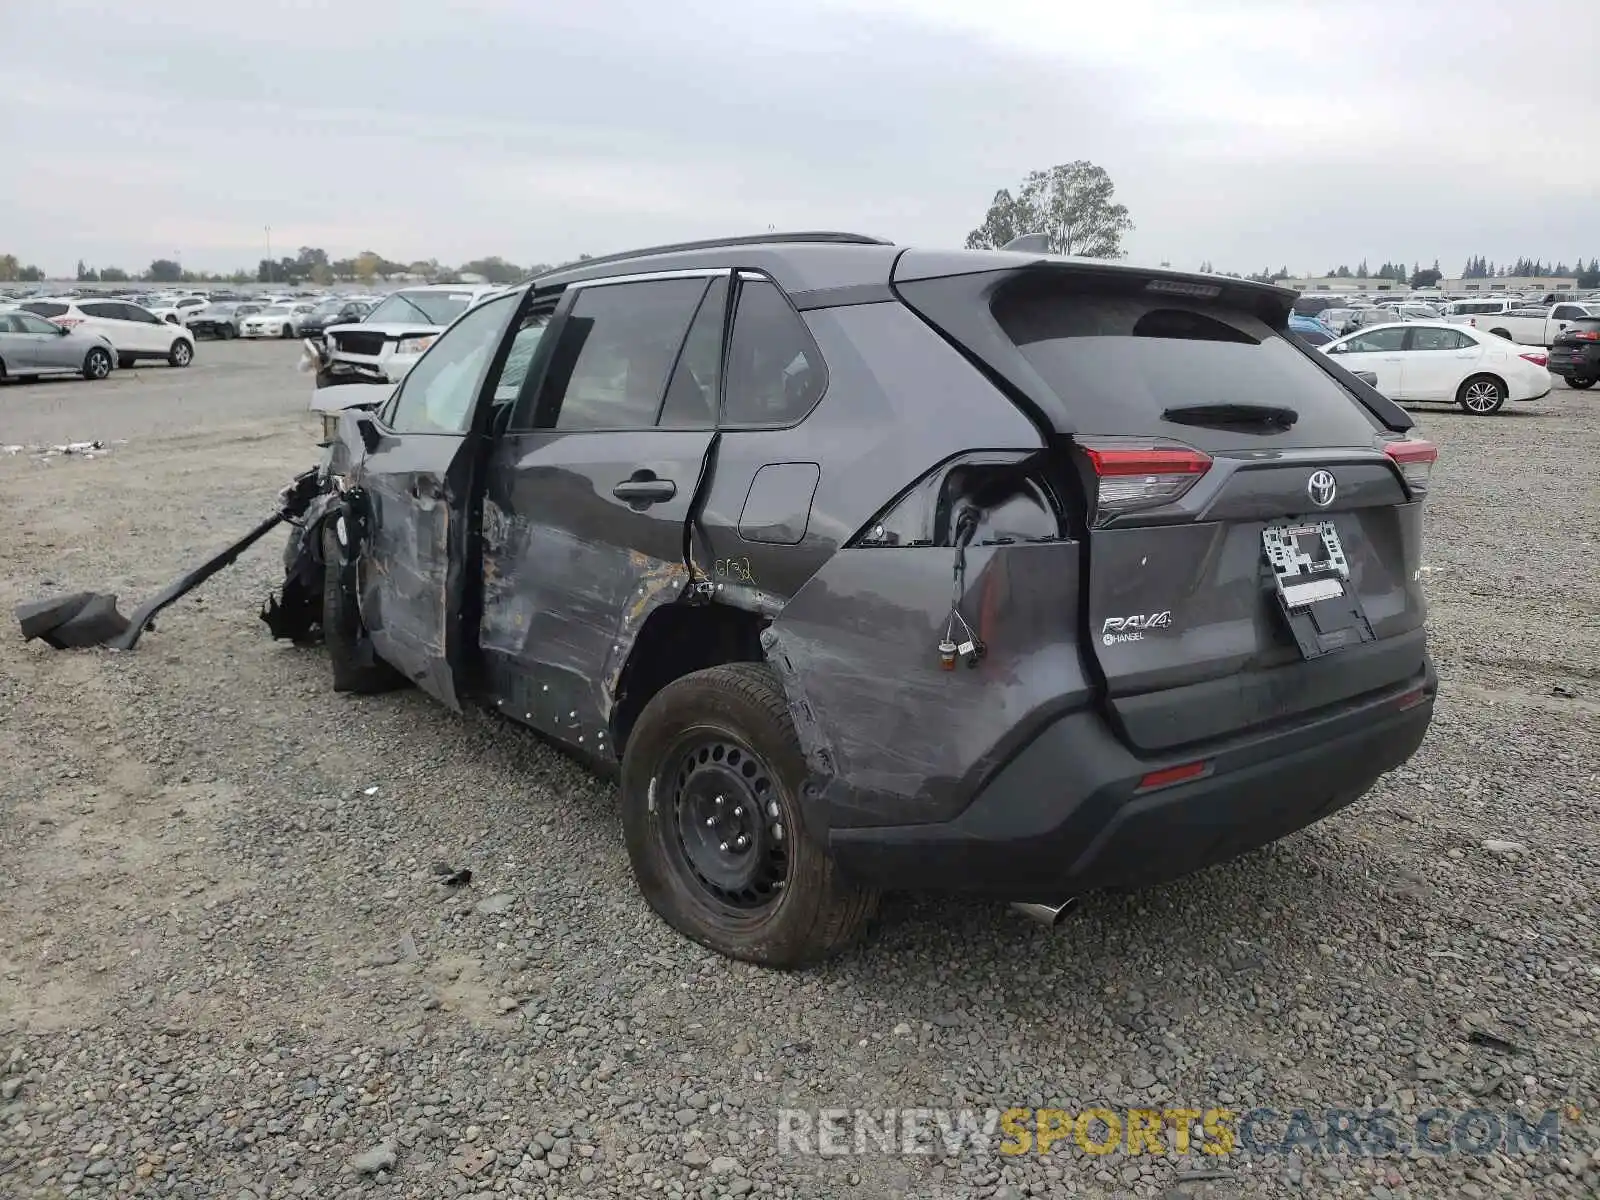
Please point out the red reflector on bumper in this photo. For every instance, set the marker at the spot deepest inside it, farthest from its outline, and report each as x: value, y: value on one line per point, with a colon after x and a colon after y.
x: 1170, y: 775
x: 1411, y: 699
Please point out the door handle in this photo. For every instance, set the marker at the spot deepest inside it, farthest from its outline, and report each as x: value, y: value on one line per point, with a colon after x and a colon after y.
x: 644, y: 489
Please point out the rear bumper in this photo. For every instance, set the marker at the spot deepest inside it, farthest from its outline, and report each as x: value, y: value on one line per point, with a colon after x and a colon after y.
x: 1586, y: 368
x: 1067, y: 814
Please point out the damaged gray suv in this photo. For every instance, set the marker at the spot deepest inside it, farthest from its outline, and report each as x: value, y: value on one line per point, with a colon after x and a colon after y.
x: 881, y: 568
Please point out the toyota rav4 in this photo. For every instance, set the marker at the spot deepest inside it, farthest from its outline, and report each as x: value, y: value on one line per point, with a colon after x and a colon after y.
x: 883, y: 568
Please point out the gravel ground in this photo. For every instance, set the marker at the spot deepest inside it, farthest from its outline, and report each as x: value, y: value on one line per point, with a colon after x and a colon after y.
x: 226, y: 969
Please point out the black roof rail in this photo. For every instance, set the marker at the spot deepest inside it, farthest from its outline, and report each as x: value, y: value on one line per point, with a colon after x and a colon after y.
x: 822, y: 236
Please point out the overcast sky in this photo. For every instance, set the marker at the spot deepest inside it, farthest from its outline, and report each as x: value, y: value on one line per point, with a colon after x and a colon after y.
x: 1253, y: 133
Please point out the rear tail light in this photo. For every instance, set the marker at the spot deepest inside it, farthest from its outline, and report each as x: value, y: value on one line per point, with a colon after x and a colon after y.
x: 1537, y: 357
x: 1584, y: 335
x: 1129, y: 477
x: 1415, y: 458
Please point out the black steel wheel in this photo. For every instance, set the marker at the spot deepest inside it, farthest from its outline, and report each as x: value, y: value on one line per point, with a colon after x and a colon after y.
x: 718, y: 829
x: 725, y: 828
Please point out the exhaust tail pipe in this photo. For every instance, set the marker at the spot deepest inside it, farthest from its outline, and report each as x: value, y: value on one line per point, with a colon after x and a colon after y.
x: 1048, y: 915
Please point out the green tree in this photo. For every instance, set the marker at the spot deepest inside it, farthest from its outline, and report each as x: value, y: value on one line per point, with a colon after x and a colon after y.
x: 10, y: 268
x: 1427, y: 278
x: 113, y: 275
x: 999, y: 224
x: 1072, y: 204
x: 30, y: 274
x: 495, y: 269
x: 164, y: 270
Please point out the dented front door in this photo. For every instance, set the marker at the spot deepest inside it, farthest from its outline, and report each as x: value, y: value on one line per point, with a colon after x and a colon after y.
x: 586, y: 510
x: 416, y: 478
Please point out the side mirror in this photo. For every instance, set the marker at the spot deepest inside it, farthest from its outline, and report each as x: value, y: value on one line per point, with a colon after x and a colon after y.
x: 62, y: 331
x: 371, y: 437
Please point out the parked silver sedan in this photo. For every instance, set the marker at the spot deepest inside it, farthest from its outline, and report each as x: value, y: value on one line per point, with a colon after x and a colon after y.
x: 31, y: 346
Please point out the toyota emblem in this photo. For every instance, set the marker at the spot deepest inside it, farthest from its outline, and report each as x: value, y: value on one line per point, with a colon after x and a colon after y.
x: 1322, y: 488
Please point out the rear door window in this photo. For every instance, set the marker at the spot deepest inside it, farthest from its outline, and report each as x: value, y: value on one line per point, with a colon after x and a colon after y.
x: 618, y: 345
x: 1429, y: 337
x: 1120, y: 360
x: 104, y: 310
x: 45, y: 308
x: 775, y: 371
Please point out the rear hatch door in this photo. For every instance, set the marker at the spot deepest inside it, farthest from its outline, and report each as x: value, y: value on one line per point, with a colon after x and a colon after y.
x: 1578, y: 344
x: 1253, y: 546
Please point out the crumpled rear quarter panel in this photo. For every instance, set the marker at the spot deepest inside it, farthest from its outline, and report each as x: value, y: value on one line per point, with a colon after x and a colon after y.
x: 891, y: 737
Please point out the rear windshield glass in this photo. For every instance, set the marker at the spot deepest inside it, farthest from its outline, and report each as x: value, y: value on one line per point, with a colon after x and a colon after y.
x: 1118, y: 361
x: 43, y: 308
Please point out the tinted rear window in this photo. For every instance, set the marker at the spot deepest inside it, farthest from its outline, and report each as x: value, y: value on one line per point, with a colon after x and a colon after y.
x: 1118, y: 361
x: 43, y: 308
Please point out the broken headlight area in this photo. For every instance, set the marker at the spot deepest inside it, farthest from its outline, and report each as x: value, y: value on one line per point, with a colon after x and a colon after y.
x: 294, y: 611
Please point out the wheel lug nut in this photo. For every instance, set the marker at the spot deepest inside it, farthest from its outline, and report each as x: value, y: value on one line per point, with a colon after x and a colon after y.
x: 710, y: 821
x: 723, y: 847
x: 739, y: 811
x: 741, y: 841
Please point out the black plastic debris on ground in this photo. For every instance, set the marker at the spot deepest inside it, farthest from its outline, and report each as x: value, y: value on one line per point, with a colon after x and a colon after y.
x: 451, y: 877
x: 72, y: 622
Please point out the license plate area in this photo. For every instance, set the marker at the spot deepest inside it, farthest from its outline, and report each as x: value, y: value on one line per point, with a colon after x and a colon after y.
x: 1311, y: 583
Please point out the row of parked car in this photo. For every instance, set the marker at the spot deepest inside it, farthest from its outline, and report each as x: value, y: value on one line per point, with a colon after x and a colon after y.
x: 1475, y: 353
x: 90, y: 335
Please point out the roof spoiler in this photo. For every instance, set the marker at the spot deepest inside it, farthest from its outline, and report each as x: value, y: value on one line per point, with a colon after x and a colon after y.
x: 1029, y: 243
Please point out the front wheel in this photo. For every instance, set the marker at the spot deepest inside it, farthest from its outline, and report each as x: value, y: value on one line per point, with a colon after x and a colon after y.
x: 182, y: 353
x: 288, y: 331
x: 355, y: 667
x: 721, y: 839
x: 1580, y: 383
x: 96, y: 364
x: 1481, y: 395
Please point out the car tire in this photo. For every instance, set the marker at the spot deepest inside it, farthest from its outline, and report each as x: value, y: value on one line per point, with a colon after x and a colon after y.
x: 288, y: 331
x: 1481, y: 395
x: 1580, y: 383
x: 228, y: 333
x: 182, y: 353
x: 356, y: 668
x: 97, y: 364
x: 714, y: 758
x: 126, y: 361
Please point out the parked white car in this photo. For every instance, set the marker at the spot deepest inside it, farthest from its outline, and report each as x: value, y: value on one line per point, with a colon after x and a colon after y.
x: 1538, y: 325
x: 179, y: 311
x: 134, y: 332
x: 394, y: 334
x: 278, y: 320
x: 1436, y: 362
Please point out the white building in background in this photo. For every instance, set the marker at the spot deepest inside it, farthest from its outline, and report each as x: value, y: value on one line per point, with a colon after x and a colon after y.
x: 1510, y: 283
x: 1493, y: 285
x: 1351, y: 286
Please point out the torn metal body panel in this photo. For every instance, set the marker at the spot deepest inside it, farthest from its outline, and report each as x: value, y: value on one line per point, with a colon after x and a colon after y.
x: 891, y: 735
x: 574, y: 562
x: 408, y: 573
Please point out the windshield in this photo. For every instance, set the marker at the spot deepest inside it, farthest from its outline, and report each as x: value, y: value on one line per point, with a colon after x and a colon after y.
x: 436, y: 308
x: 274, y: 311
x: 329, y: 308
